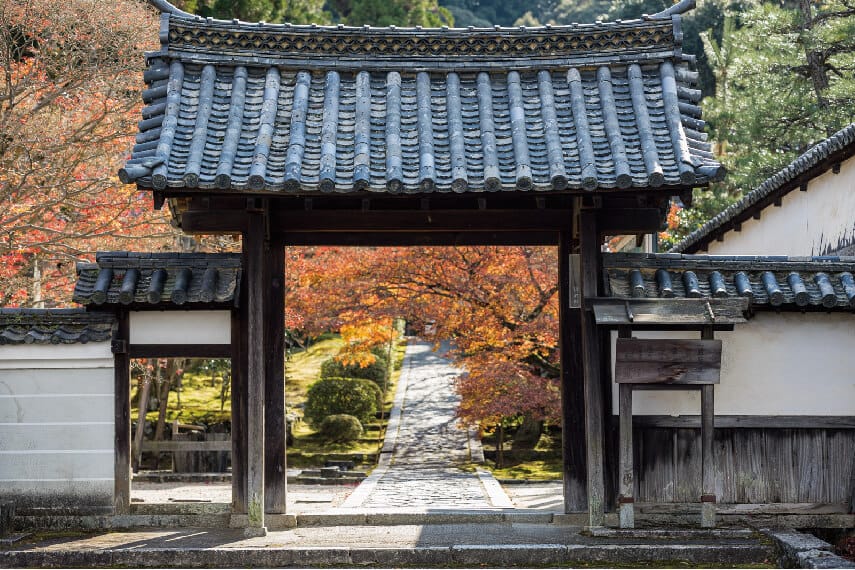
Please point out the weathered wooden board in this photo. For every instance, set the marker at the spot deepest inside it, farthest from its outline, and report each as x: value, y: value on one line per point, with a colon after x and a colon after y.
x: 687, y: 466
x: 639, y: 312
x: 667, y: 361
x: 656, y: 469
x: 753, y: 465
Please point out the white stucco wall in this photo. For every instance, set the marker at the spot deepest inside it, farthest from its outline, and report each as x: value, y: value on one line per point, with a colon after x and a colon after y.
x: 56, y: 425
x: 775, y: 364
x: 807, y: 223
x: 180, y: 327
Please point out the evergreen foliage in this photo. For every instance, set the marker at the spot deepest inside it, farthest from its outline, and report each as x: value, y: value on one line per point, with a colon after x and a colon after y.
x: 340, y: 428
x: 376, y: 371
x: 353, y: 396
x: 425, y: 13
x: 784, y: 79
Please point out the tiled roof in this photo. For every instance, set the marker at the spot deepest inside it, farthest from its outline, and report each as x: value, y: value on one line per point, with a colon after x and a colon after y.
x: 818, y: 283
x: 840, y: 145
x: 233, y: 106
x: 158, y: 279
x: 54, y: 326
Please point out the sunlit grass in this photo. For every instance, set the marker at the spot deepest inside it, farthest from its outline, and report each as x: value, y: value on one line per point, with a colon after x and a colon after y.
x: 538, y: 469
x: 200, y: 398
x: 303, y: 368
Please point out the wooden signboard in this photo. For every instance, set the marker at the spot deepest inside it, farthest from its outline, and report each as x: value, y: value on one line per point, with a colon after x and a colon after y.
x: 667, y: 361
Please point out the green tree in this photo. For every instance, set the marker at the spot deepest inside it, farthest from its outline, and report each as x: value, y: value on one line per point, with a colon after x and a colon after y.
x: 274, y: 11
x: 425, y: 13
x: 785, y: 79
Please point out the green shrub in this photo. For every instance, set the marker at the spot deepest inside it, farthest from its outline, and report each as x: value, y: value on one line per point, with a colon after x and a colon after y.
x: 376, y: 371
x: 357, y: 397
x: 381, y: 352
x: 340, y: 428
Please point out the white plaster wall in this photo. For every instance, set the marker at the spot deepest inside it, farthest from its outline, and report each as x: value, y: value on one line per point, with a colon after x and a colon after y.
x: 807, y: 223
x: 56, y: 425
x: 180, y: 327
x: 775, y: 364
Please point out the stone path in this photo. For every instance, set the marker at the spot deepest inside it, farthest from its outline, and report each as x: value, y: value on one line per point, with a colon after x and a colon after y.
x: 425, y: 447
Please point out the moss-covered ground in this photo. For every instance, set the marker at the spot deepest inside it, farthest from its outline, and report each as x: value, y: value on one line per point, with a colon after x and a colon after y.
x: 204, y: 402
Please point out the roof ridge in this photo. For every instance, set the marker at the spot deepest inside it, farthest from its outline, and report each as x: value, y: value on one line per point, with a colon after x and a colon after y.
x: 801, y: 164
x: 165, y: 7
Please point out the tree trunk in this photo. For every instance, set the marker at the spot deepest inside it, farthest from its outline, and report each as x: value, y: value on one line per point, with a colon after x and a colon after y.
x: 162, y: 400
x: 145, y: 389
x: 815, y: 62
x: 528, y: 434
x: 500, y: 447
x: 38, y: 302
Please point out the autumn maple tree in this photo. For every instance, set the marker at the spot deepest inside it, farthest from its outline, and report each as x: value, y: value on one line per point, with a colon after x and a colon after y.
x: 69, y: 100
x: 498, y: 304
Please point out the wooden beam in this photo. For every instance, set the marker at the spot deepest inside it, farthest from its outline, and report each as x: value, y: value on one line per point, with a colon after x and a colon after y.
x: 183, y: 446
x: 254, y: 247
x: 275, y: 476
x: 594, y: 412
x: 213, y: 221
x: 240, y: 369
x: 122, y: 420
x: 572, y: 384
x: 402, y: 239
x: 180, y: 351
x: 421, y: 220
x: 613, y: 312
x: 747, y: 422
x: 613, y: 221
x: 620, y: 221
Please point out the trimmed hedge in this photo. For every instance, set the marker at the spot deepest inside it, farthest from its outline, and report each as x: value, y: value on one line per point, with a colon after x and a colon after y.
x: 376, y: 371
x: 340, y: 428
x: 357, y: 397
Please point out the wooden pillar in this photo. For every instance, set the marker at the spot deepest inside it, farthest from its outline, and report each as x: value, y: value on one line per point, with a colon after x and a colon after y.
x: 122, y: 417
x: 572, y: 383
x: 238, y: 389
x: 626, y: 472
x: 275, y: 476
x: 610, y: 429
x: 254, y: 253
x: 708, y: 498
x: 626, y: 499
x: 594, y: 412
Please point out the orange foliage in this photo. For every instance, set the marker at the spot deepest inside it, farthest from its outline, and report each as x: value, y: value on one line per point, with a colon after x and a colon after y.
x: 498, y: 304
x: 68, y: 105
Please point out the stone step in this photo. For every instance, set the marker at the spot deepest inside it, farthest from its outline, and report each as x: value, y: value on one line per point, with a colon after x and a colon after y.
x: 458, y: 555
x: 367, y: 517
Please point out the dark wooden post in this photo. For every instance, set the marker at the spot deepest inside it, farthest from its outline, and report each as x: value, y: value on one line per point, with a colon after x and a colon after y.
x: 590, y: 252
x: 122, y: 417
x: 708, y: 498
x: 275, y: 476
x: 626, y: 484
x: 572, y: 383
x: 254, y: 254
x: 239, y: 373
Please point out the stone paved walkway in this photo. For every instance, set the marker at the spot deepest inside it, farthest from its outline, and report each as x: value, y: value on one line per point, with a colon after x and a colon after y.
x: 428, y: 447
